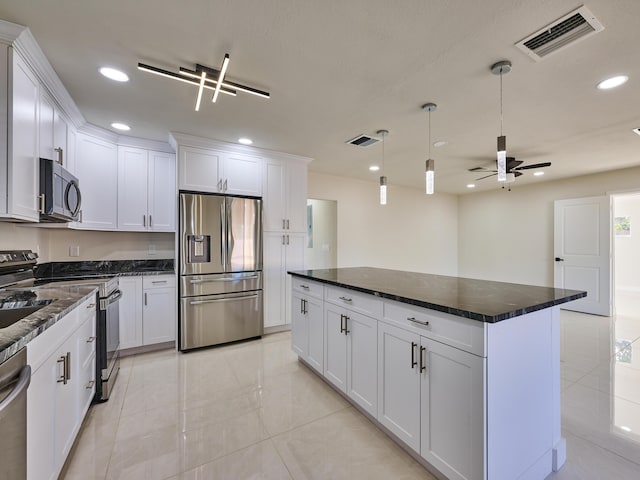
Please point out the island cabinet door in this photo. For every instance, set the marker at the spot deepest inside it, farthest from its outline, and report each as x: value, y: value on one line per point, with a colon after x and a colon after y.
x: 362, y: 360
x: 335, y: 345
x: 452, y: 410
x: 315, y: 330
x: 299, y: 326
x: 399, y: 383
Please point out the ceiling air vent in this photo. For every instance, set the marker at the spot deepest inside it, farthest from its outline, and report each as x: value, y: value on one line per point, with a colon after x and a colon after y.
x: 363, y: 140
x: 563, y: 32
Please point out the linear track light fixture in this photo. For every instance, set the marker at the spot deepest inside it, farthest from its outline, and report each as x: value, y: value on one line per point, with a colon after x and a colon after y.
x: 206, y: 78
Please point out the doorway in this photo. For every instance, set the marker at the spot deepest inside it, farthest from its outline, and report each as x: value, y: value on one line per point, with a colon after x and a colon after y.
x: 626, y: 253
x: 322, y: 234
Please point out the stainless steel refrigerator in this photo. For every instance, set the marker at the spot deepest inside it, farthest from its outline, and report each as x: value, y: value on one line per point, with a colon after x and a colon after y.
x: 220, y: 249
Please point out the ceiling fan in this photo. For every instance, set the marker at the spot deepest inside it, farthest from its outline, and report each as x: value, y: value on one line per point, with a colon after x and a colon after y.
x: 513, y: 166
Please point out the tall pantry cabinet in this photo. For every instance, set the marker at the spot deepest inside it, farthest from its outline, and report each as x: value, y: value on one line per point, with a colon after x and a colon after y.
x: 285, y: 237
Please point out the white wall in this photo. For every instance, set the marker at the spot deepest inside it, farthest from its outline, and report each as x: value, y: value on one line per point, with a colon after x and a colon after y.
x: 413, y: 232
x: 13, y: 236
x: 627, y: 248
x: 508, y: 236
x: 323, y: 252
x: 109, y: 245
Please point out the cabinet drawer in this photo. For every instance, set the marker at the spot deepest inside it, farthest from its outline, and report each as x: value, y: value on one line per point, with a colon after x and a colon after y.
x: 355, y: 301
x: 86, y: 341
x: 302, y: 285
x: 459, y: 332
x: 158, y: 281
x: 86, y: 384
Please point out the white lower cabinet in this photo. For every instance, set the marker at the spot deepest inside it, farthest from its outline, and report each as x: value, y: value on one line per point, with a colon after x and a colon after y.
x: 59, y: 393
x: 148, y: 314
x: 307, y: 329
x: 431, y: 396
x: 351, y: 355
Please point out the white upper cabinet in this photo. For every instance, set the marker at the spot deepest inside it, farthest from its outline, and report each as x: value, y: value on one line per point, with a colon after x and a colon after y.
x: 146, y: 190
x: 218, y: 171
x: 19, y: 162
x: 285, y: 195
x: 45, y: 127
x: 97, y: 171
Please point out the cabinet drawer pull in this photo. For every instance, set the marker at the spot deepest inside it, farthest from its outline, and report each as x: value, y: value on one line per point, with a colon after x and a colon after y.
x: 346, y: 325
x: 342, y: 327
x: 91, y: 305
x: 413, y: 319
x: 90, y: 384
x: 413, y: 354
x: 41, y: 197
x: 156, y: 282
x: 91, y: 339
x: 345, y: 299
x: 63, y: 378
x: 423, y: 365
x: 67, y: 367
x: 306, y: 287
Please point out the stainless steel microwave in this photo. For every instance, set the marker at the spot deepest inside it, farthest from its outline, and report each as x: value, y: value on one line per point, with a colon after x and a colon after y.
x: 60, y: 197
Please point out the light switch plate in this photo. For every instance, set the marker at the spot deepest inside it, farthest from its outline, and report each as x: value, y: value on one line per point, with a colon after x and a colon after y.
x: 152, y: 249
x: 74, y: 251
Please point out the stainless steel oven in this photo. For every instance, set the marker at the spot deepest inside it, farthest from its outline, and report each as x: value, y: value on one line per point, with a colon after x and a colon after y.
x: 108, y: 333
x: 15, y: 376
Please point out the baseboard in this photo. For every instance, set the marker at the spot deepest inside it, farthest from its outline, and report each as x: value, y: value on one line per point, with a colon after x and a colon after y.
x: 125, y: 352
x: 276, y: 329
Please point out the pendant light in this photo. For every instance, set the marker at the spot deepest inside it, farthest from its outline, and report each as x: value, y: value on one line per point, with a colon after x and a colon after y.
x: 383, y: 178
x: 501, y: 68
x: 430, y: 163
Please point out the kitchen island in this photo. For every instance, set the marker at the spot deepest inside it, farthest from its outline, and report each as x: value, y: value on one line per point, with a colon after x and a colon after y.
x: 463, y: 373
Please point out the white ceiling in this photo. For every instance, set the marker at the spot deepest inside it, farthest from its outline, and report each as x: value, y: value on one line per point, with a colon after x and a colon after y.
x: 338, y: 68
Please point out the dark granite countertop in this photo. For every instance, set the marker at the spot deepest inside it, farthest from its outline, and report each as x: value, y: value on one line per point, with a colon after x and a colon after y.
x: 482, y: 300
x: 16, y: 336
x: 102, y: 268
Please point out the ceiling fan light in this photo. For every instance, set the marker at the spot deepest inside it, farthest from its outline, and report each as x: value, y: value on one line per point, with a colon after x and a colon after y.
x: 430, y: 176
x: 538, y: 174
x: 502, y: 158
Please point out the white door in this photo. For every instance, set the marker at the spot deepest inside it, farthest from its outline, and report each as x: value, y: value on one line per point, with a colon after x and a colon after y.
x: 242, y: 174
x: 335, y: 347
x: 132, y: 188
x: 582, y: 251
x: 315, y: 330
x: 162, y: 192
x: 158, y: 316
x: 299, y: 326
x: 362, y: 361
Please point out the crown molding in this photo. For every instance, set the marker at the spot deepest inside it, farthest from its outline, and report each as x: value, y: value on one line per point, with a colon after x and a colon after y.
x: 22, y: 41
x: 99, y: 132
x: 127, y: 141
x: 176, y: 139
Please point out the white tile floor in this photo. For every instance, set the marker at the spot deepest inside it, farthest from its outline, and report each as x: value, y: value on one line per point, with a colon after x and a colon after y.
x: 251, y: 411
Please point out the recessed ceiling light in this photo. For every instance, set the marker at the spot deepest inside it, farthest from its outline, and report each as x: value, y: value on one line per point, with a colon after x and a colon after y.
x: 114, y: 74
x: 121, y: 126
x: 374, y: 168
x: 538, y: 174
x: 245, y: 141
x: 471, y: 185
x: 613, y: 82
x: 439, y: 143
x: 636, y: 130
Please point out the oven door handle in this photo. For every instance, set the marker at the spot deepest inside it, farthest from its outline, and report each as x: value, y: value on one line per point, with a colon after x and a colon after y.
x: 227, y: 299
x: 226, y: 279
x: 24, y: 378
x: 114, y: 297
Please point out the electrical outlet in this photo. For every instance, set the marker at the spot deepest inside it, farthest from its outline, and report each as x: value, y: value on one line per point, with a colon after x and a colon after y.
x: 74, y: 251
x: 152, y: 249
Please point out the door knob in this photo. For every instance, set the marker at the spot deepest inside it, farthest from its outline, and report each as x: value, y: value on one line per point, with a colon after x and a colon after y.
x: 558, y: 259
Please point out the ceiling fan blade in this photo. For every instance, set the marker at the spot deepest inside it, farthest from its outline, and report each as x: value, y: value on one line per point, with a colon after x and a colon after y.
x: 481, y: 178
x: 512, y: 163
x: 535, y: 165
x: 480, y: 169
x: 517, y: 174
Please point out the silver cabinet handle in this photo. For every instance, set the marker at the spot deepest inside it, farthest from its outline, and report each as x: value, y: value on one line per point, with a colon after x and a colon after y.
x: 150, y: 220
x: 90, y: 384
x: 144, y: 220
x: 413, y: 319
x: 287, y: 239
x: 306, y: 287
x: 345, y: 299
x: 63, y: 378
x: 24, y: 378
x: 145, y: 298
x: 283, y: 240
x: 156, y: 282
x: 91, y: 305
x: 225, y: 184
x: 226, y: 279
x: 284, y: 224
x: 413, y: 355
x: 59, y: 151
x: 41, y: 197
x: 423, y: 366
x: 230, y: 299
x: 67, y: 366
x: 220, y: 185
x: 91, y: 339
x: 287, y: 224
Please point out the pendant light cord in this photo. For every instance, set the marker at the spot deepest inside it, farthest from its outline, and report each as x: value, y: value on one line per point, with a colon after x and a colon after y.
x: 429, y: 146
x: 383, y: 136
x: 501, y: 102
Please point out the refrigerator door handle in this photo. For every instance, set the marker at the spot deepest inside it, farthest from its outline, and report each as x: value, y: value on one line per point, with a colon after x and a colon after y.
x: 211, y: 280
x: 223, y: 237
x: 227, y: 299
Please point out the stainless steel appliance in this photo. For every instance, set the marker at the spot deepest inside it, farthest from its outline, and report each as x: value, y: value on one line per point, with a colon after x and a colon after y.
x: 15, y: 376
x: 220, y: 249
x: 60, y: 197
